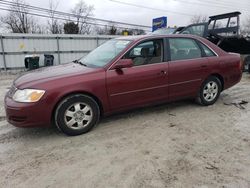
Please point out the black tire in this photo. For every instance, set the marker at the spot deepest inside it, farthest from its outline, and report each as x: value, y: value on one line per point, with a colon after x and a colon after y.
x: 203, y: 98
x: 68, y: 106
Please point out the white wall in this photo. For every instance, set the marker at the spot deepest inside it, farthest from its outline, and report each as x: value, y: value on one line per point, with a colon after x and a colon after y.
x: 71, y: 47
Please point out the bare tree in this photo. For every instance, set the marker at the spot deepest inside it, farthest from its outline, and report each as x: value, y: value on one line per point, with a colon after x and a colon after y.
x: 36, y: 27
x: 54, y: 26
x: 198, y: 19
x: 245, y: 29
x: 70, y: 28
x: 82, y: 11
x: 113, y: 30
x: 138, y: 32
x: 19, y: 20
x: 101, y: 30
x: 109, y: 29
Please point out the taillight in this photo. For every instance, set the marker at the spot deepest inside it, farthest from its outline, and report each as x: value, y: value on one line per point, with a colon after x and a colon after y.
x: 238, y: 62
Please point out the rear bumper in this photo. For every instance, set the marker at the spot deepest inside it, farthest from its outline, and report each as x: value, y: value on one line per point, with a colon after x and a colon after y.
x: 233, y: 79
x: 26, y: 114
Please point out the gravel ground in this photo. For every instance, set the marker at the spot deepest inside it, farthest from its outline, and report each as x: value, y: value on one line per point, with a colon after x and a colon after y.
x: 173, y: 145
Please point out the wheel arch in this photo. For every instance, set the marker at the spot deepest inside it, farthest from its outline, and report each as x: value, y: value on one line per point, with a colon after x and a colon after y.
x: 61, y: 98
x: 220, y: 77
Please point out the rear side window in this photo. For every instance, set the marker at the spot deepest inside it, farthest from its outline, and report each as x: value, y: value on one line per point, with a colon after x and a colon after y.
x: 184, y: 48
x: 208, y: 51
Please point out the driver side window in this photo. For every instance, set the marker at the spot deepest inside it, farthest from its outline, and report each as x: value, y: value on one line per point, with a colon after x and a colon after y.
x: 148, y: 52
x: 195, y: 30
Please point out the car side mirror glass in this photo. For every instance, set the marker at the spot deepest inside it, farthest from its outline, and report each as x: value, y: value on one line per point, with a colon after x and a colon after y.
x: 123, y: 63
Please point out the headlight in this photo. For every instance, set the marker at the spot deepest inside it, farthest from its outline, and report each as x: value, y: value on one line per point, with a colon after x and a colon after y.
x: 28, y: 95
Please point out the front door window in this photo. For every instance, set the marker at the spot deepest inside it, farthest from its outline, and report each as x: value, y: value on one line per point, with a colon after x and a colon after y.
x: 145, y: 53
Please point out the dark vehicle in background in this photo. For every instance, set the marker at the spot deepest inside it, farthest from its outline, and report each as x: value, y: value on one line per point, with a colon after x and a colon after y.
x: 121, y: 74
x: 167, y: 31
x: 224, y: 31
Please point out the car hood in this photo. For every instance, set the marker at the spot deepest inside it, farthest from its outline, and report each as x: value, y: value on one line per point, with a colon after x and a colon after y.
x: 50, y: 73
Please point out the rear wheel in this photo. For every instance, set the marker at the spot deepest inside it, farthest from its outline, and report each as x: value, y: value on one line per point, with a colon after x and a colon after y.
x: 77, y: 114
x: 209, y: 91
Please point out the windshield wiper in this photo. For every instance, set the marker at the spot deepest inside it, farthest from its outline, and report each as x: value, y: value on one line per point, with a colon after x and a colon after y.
x: 79, y: 62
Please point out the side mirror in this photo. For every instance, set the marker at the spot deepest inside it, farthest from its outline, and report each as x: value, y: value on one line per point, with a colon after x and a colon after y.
x: 123, y: 63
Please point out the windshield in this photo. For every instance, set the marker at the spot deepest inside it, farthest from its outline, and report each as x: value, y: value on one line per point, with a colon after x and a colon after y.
x: 102, y: 55
x: 164, y: 31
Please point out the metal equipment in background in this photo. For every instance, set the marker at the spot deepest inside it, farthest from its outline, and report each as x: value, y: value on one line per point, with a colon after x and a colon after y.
x: 224, y: 31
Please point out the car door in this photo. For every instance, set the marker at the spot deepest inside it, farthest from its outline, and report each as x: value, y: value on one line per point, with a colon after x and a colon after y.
x: 200, y: 29
x: 187, y: 67
x: 146, y: 81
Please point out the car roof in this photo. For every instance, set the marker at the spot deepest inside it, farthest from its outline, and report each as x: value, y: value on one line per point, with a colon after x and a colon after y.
x: 140, y: 37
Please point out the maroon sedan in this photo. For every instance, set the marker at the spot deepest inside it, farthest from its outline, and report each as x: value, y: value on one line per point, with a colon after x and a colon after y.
x: 121, y: 74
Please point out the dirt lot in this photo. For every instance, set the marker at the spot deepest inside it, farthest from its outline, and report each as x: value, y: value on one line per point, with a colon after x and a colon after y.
x: 172, y: 145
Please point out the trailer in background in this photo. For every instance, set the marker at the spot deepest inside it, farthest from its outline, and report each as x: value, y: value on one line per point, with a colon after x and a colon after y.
x: 224, y: 31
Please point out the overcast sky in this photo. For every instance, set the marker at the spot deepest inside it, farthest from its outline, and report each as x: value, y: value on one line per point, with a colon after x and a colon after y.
x: 178, y: 12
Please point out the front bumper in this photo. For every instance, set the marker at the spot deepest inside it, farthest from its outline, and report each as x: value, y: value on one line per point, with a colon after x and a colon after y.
x: 27, y: 114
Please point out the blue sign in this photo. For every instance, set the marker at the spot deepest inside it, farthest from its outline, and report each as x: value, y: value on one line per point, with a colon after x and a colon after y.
x: 159, y: 23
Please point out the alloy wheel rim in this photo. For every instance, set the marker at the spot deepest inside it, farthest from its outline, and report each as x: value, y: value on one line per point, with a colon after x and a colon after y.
x: 78, y: 115
x: 210, y: 91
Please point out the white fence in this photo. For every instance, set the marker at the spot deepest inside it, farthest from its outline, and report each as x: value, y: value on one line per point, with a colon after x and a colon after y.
x: 65, y: 48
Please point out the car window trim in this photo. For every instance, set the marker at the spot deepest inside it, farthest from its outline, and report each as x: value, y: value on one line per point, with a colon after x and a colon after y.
x: 167, y: 53
x: 152, y: 64
x: 203, y: 53
x: 198, y: 58
x: 200, y: 42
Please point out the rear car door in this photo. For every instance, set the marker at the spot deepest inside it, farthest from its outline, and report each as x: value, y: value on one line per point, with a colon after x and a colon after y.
x: 145, y: 82
x: 187, y: 67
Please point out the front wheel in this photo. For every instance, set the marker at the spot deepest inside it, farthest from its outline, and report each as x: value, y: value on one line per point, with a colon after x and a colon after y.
x: 209, y: 91
x: 77, y: 114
